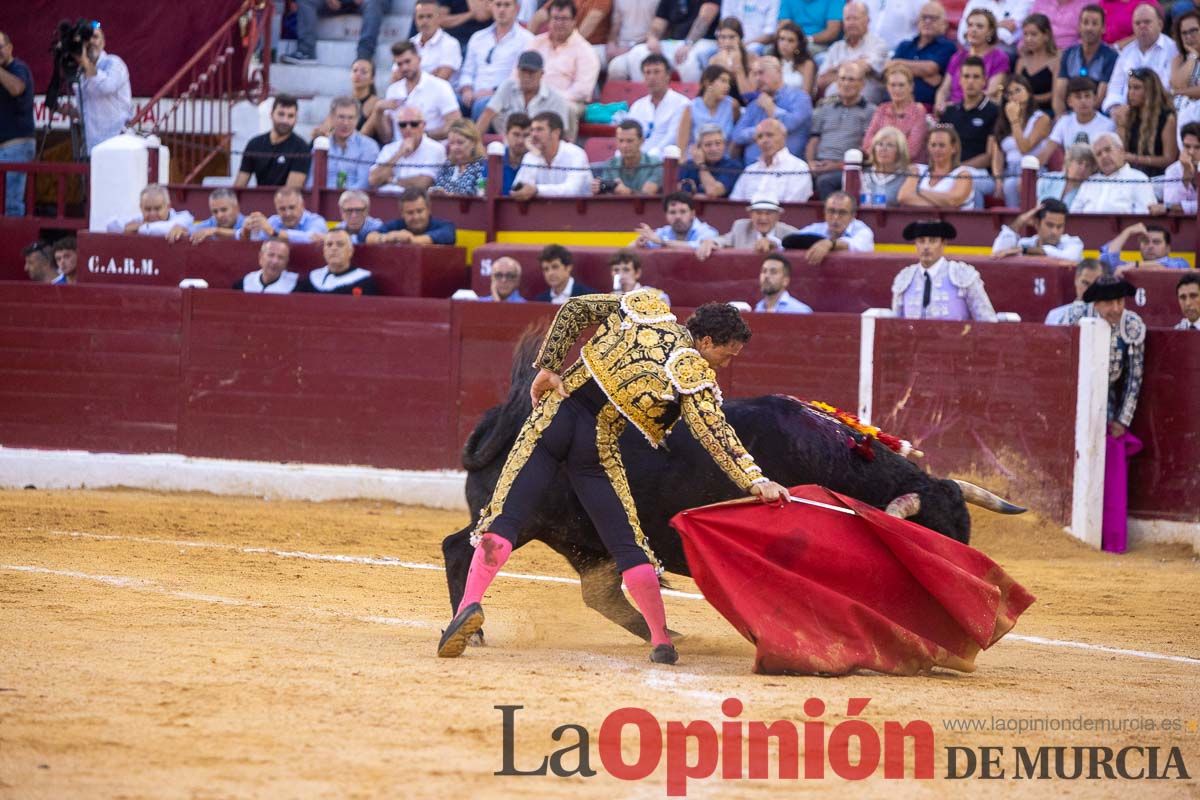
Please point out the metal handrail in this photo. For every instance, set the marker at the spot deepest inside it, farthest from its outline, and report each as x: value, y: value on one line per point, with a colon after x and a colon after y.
x: 197, y: 120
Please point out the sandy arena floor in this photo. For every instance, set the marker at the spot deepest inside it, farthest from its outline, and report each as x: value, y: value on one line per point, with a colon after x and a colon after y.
x: 169, y: 646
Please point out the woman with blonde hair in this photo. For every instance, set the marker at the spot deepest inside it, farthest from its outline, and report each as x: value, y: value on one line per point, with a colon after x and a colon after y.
x: 886, y: 168
x: 945, y: 182
x: 465, y: 170
x: 902, y: 111
x: 1147, y: 124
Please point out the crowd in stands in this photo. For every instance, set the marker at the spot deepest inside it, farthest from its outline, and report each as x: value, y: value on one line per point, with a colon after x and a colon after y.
x: 760, y: 103
x: 770, y: 98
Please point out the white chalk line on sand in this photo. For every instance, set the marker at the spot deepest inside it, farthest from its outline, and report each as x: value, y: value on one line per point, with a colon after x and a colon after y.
x: 395, y: 562
x: 142, y: 585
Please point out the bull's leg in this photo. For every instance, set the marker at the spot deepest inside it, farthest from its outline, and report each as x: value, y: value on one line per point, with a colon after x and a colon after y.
x: 601, y: 585
x: 456, y: 554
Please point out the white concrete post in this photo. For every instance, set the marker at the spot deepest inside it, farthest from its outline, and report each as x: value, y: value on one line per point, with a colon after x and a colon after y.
x: 1091, y: 421
x: 118, y: 175
x: 866, y: 362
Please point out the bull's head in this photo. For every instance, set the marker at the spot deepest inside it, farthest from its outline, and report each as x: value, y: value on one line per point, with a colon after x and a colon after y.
x: 943, y: 507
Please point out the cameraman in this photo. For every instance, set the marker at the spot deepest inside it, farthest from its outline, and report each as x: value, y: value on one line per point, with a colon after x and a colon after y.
x: 16, y: 124
x: 106, y: 96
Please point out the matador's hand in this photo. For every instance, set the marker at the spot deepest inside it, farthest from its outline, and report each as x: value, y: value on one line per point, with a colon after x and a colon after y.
x: 546, y: 381
x: 770, y: 492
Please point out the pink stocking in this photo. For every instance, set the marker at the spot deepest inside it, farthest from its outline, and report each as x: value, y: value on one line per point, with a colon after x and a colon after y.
x: 643, y: 585
x: 490, y: 555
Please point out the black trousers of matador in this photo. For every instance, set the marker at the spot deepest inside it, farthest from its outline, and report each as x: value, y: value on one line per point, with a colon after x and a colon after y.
x: 579, y: 434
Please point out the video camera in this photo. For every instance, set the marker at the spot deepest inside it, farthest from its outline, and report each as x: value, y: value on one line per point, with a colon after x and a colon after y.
x: 65, y: 48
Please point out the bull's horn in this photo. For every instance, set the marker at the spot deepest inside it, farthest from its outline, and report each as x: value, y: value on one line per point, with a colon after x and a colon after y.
x: 905, y: 506
x: 982, y: 497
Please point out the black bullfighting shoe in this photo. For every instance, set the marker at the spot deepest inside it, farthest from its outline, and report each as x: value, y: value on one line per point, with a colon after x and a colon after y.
x: 664, y: 654
x: 465, y: 624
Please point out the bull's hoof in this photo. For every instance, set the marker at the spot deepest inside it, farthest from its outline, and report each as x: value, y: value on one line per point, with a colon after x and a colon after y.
x: 664, y: 654
x: 464, y: 625
x: 476, y: 639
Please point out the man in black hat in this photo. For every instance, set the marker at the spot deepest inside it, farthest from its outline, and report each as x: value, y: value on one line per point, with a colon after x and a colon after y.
x: 1126, y: 348
x: 936, y: 288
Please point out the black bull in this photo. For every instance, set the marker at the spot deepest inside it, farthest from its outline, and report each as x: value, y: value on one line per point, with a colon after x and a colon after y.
x: 793, y: 444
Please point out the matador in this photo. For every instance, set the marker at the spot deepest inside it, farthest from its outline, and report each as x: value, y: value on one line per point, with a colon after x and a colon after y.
x: 640, y: 368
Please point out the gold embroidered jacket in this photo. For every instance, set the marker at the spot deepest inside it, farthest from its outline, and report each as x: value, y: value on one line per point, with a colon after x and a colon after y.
x: 643, y: 361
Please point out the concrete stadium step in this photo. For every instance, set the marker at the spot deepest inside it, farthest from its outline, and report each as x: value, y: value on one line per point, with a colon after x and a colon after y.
x: 330, y: 52
x: 309, y: 81
x: 347, y: 27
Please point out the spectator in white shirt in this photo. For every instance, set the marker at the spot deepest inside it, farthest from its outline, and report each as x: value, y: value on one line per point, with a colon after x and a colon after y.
x: 1051, y: 241
x: 1179, y: 190
x: 492, y: 54
x: 859, y: 46
x: 412, y: 160
x: 107, y: 99
x: 1009, y: 15
x: 841, y: 230
x: 1117, y: 188
x: 1150, y: 48
x: 414, y: 88
x: 894, y: 21
x: 759, y: 18
x: 157, y: 217
x: 628, y: 25
x: 440, y: 53
x: 1082, y: 125
x: 777, y: 172
x: 659, y: 112
x: 553, y: 167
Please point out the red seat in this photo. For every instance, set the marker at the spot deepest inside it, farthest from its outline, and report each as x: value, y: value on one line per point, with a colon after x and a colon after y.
x: 600, y: 148
x: 488, y: 138
x: 590, y: 129
x: 616, y: 91
x: 1055, y: 162
x: 686, y: 88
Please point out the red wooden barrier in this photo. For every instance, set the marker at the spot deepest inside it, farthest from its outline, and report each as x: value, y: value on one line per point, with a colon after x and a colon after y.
x: 483, y: 337
x: 394, y: 382
x: 400, y: 270
x: 983, y: 403
x: 89, y: 370
x: 1165, y: 480
x: 335, y: 380
x: 1157, y: 300
x: 813, y: 358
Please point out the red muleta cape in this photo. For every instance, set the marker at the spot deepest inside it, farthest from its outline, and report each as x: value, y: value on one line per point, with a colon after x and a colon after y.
x: 820, y: 591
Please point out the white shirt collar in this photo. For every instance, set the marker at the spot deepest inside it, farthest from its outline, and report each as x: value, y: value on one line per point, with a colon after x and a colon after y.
x: 566, y: 292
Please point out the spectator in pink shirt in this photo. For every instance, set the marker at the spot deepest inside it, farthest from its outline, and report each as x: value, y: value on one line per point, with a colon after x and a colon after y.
x: 902, y: 112
x: 981, y: 42
x: 571, y: 65
x: 1064, y: 19
x: 1118, y: 19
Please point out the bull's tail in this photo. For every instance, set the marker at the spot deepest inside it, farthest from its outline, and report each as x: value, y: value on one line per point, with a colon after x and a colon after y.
x: 492, y: 438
